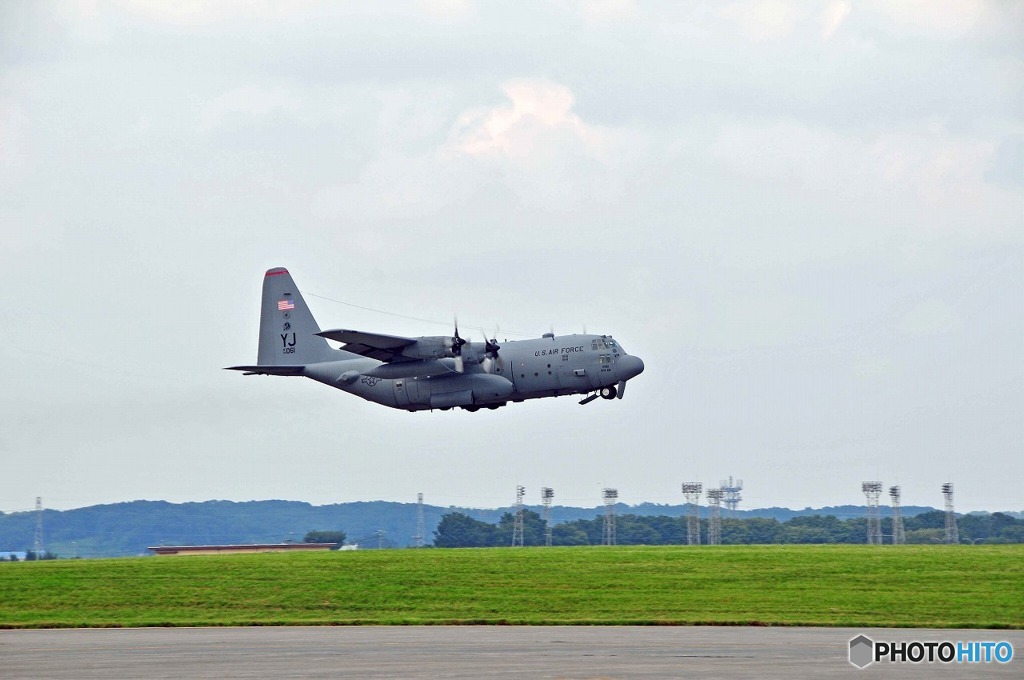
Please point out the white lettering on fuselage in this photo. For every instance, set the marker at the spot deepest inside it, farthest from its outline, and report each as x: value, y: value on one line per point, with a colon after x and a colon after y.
x: 552, y: 352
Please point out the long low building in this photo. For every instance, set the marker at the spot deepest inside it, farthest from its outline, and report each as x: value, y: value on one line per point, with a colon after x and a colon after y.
x: 236, y: 549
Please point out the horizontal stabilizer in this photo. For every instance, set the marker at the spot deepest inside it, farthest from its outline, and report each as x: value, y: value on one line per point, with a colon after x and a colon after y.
x: 268, y: 370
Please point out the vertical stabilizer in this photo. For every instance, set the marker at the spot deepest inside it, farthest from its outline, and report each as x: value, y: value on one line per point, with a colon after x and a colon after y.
x: 287, y: 328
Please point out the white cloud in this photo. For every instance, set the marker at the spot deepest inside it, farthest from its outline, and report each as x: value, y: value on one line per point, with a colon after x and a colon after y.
x: 204, y: 12
x: 773, y: 189
x: 537, y: 113
x: 785, y: 150
x: 12, y: 132
x: 944, y: 18
x: 448, y: 9
x: 935, y: 167
x: 926, y: 168
x: 764, y: 19
x: 832, y: 17
x: 607, y: 10
x: 249, y: 101
x: 546, y: 154
x: 391, y: 188
x: 931, y: 317
x: 530, y: 153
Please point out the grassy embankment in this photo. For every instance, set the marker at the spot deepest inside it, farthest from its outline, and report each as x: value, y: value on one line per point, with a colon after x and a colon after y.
x: 858, y: 586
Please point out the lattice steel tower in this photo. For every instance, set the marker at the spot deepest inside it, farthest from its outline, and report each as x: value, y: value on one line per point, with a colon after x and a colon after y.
x: 517, y: 523
x: 899, y: 535
x: 952, y: 533
x: 715, y: 516
x: 546, y: 494
x: 420, y: 527
x: 610, y: 497
x: 731, y: 493
x: 38, y: 543
x: 872, y: 490
x: 692, y: 491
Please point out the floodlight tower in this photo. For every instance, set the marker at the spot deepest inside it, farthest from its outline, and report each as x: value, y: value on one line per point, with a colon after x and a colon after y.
x: 899, y: 536
x: 692, y: 491
x: 715, y: 516
x: 420, y: 529
x: 610, y: 497
x: 872, y: 490
x: 517, y: 523
x: 952, y: 534
x: 731, y: 493
x: 38, y: 543
x: 546, y: 494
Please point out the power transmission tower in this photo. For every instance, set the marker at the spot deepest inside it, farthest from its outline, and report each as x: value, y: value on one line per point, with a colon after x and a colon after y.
x: 731, y: 493
x: 517, y: 523
x: 872, y: 490
x: 380, y: 539
x: 692, y: 491
x: 546, y: 494
x: 420, y: 528
x: 899, y: 536
x: 952, y: 533
x: 39, y: 528
x: 610, y: 497
x: 715, y: 516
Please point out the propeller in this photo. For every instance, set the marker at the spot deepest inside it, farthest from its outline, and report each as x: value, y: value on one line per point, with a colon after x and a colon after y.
x: 491, y: 348
x: 457, y: 343
x: 490, y: 352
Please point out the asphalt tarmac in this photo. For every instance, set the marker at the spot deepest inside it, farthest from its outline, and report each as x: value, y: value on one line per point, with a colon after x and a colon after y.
x: 476, y: 652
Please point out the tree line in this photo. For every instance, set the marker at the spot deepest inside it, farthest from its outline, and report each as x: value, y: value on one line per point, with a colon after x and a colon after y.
x: 458, y: 530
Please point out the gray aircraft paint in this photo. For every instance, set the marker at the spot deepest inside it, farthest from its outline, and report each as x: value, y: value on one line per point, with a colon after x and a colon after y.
x: 423, y: 373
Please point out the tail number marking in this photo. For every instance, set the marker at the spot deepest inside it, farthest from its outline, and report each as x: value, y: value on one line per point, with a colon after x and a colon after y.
x: 286, y: 346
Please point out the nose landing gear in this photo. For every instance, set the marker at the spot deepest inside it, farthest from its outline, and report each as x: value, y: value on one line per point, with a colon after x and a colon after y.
x: 605, y: 393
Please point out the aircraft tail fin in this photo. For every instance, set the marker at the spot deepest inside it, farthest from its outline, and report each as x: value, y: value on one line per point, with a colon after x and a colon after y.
x: 287, y: 327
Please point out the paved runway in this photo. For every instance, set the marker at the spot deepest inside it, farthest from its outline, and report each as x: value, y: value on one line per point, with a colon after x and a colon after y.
x: 473, y: 652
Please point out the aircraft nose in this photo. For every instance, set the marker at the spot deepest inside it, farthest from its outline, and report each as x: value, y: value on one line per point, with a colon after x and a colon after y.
x: 629, y: 366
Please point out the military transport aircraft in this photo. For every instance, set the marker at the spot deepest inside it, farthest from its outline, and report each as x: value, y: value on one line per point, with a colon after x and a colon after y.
x: 432, y: 372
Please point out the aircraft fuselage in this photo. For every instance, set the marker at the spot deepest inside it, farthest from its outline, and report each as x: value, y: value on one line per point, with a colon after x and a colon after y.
x: 431, y: 372
x: 528, y: 369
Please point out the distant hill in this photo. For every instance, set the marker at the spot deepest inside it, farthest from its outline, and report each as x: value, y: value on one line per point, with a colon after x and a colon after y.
x: 123, y: 529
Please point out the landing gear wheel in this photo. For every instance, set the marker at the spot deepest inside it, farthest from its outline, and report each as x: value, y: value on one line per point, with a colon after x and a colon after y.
x: 608, y: 392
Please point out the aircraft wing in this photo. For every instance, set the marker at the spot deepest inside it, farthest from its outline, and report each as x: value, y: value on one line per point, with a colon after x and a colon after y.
x: 374, y: 345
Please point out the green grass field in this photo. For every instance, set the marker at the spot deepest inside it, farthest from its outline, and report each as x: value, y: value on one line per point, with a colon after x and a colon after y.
x: 857, y: 586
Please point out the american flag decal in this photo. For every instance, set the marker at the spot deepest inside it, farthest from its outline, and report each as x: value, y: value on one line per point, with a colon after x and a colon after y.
x: 283, y: 305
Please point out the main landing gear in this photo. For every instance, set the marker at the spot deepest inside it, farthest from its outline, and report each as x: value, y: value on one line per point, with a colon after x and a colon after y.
x: 474, y: 408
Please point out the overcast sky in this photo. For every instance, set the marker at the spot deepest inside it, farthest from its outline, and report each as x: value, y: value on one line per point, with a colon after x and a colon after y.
x: 806, y: 218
